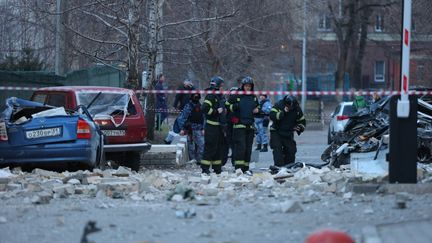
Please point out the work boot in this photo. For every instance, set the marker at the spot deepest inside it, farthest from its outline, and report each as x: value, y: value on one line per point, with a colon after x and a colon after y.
x: 205, y: 169
x: 264, y: 148
x: 258, y: 147
x: 217, y: 169
x: 246, y: 170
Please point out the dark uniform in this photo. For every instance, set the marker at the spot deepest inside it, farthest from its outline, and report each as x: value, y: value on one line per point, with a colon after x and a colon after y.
x: 243, y: 107
x: 282, y: 131
x: 213, y: 135
x: 228, y: 131
x: 191, y: 121
x: 181, y: 99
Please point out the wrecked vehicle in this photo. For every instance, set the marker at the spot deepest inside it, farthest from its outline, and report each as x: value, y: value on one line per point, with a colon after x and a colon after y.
x: 368, y: 130
x: 34, y: 133
x: 362, y: 133
x: 117, y: 111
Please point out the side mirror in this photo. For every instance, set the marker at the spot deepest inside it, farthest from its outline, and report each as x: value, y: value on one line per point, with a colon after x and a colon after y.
x: 332, y: 114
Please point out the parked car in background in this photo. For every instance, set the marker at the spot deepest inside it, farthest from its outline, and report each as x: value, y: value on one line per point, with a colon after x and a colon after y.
x: 117, y: 111
x: 32, y: 133
x: 338, y: 119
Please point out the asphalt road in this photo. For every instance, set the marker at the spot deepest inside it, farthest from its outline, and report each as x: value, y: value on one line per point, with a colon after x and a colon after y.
x: 245, y: 214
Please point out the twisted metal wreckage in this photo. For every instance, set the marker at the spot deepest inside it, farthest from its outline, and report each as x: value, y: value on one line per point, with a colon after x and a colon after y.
x: 368, y: 130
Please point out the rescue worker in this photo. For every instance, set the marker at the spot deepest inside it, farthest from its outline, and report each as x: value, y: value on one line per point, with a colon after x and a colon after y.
x: 191, y: 122
x: 262, y: 122
x: 228, y: 144
x: 213, y: 134
x: 287, y: 118
x: 244, y: 106
x: 181, y: 99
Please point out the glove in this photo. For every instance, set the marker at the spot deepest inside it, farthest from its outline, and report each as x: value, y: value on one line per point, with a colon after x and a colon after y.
x: 299, y: 129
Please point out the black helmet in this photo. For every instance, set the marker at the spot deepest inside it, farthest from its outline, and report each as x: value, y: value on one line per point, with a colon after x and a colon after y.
x: 216, y: 82
x: 247, y: 80
x: 289, y: 101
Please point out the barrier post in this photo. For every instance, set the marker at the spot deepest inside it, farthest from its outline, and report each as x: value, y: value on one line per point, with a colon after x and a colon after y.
x: 403, y: 116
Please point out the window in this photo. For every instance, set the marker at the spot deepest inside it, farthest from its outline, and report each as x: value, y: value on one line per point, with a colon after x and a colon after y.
x: 324, y: 22
x: 40, y: 98
x: 57, y: 100
x: 379, y: 71
x: 379, y: 23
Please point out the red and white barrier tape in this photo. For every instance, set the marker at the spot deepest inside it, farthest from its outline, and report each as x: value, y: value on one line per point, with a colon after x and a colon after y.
x: 309, y: 93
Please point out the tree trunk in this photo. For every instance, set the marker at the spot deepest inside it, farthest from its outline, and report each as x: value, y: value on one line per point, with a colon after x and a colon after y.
x: 345, y: 35
x: 133, y: 74
x: 358, y: 63
x: 152, y: 45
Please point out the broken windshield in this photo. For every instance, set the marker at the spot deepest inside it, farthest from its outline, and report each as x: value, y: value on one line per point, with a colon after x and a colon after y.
x: 106, y: 104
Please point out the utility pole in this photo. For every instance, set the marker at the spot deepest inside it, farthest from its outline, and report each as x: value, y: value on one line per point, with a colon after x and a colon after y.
x: 60, y: 40
x: 304, y: 82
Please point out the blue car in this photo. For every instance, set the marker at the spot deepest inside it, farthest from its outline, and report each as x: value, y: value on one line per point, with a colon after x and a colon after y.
x: 32, y: 133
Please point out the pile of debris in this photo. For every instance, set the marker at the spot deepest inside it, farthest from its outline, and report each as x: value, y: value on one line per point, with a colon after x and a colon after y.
x: 368, y: 130
x: 41, y: 186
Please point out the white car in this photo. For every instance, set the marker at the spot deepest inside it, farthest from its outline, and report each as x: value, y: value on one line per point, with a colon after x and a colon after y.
x: 339, y: 118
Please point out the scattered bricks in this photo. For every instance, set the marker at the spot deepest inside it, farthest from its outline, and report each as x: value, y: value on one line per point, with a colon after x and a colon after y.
x: 3, y: 183
x: 51, y: 183
x: 4, y: 180
x: 289, y: 207
x: 42, y: 198
x: 14, y: 186
x: 45, y: 173
x: 122, y: 172
x: 116, y: 188
x: 408, y: 188
x: 160, y: 183
x: 63, y: 191
x: 80, y: 176
x: 194, y: 179
x: 74, y: 182
x: 205, y: 179
x: 33, y: 187
x: 106, y: 174
x: 364, y: 188
x: 92, y: 180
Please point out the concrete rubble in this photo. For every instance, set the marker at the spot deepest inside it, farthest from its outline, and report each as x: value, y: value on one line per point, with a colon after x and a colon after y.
x: 303, y: 186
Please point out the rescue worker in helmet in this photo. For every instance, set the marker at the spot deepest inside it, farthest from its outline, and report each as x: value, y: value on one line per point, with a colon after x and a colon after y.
x: 287, y: 118
x: 244, y: 106
x: 191, y: 123
x: 230, y: 117
x: 214, y: 112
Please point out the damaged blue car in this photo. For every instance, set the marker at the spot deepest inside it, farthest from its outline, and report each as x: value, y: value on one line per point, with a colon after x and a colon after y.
x: 32, y: 133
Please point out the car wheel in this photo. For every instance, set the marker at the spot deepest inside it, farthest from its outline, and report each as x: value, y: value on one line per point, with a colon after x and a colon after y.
x: 329, y: 139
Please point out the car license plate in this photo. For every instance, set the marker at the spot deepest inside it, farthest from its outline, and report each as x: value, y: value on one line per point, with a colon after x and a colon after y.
x: 114, y: 133
x: 41, y: 133
x: 3, y: 132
